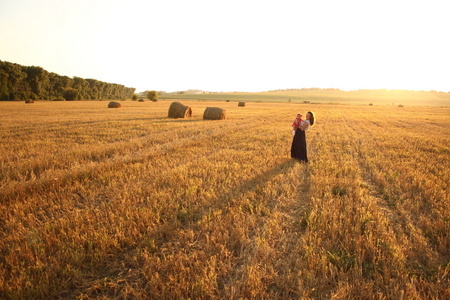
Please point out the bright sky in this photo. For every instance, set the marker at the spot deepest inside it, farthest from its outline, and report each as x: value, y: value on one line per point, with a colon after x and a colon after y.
x: 234, y: 45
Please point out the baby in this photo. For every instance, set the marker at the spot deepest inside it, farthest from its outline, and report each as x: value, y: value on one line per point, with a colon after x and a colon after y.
x: 296, y: 123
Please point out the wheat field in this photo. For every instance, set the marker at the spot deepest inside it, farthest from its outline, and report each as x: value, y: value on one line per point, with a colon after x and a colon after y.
x: 126, y: 203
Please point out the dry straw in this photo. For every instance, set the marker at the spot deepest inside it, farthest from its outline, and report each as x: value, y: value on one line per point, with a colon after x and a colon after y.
x: 178, y: 110
x: 241, y: 104
x: 114, y: 104
x: 214, y: 113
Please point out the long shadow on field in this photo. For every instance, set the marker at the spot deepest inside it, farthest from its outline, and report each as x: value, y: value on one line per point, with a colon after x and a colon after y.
x: 249, y: 186
x: 170, y: 245
x: 182, y: 221
x: 180, y: 241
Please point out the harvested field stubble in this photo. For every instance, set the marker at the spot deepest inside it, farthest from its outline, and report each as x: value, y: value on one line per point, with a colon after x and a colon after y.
x: 100, y: 203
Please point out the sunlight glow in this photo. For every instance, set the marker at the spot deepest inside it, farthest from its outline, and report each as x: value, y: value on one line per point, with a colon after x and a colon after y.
x: 233, y: 45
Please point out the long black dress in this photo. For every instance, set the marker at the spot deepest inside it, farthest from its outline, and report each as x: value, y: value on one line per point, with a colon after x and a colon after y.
x: 298, y: 148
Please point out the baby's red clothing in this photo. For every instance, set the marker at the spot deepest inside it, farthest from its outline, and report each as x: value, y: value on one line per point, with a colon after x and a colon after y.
x: 297, y: 121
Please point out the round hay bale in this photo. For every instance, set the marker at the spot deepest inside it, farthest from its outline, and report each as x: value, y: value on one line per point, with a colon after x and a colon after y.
x: 29, y: 101
x: 241, y: 104
x: 141, y: 100
x: 154, y: 100
x: 178, y: 110
x: 114, y: 104
x: 214, y: 113
x: 227, y: 100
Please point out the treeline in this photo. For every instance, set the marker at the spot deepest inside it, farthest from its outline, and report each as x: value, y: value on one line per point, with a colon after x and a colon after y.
x: 22, y: 82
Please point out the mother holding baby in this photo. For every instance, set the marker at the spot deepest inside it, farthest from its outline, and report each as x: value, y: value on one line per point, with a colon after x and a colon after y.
x: 298, y: 148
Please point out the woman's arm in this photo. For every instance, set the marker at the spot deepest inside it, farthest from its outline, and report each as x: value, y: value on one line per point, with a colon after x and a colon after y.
x: 303, y: 127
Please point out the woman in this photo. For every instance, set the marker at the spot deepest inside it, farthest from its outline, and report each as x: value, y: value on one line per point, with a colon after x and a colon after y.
x: 298, y: 148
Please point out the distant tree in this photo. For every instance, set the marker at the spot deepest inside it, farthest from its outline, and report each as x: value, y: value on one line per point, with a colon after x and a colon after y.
x: 4, y: 92
x: 70, y: 94
x: 134, y: 97
x: 39, y: 81
x: 17, y: 86
x: 82, y: 86
x: 92, y: 90
x: 152, y: 95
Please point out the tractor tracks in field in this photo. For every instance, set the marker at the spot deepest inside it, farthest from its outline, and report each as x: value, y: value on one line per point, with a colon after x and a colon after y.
x: 271, y: 258
x: 293, y: 214
x: 371, y: 189
x: 406, y: 240
x: 402, y: 227
x: 261, y: 222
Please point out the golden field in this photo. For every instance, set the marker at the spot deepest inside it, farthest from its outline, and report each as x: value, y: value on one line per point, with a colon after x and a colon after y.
x: 126, y: 203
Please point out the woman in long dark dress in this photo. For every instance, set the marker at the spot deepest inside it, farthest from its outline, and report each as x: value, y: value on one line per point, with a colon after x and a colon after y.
x: 298, y: 148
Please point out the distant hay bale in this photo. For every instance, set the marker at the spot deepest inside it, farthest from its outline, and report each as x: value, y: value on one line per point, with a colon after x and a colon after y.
x: 227, y: 100
x: 29, y: 101
x: 306, y: 102
x: 178, y: 110
x: 214, y: 113
x: 141, y: 100
x: 401, y: 105
x: 114, y: 104
x: 370, y: 104
x: 242, y: 104
x: 154, y: 100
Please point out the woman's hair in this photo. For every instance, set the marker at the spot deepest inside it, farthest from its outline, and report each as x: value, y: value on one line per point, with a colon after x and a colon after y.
x: 311, y: 118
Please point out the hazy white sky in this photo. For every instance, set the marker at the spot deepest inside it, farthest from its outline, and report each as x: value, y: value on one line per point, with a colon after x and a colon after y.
x: 234, y: 45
